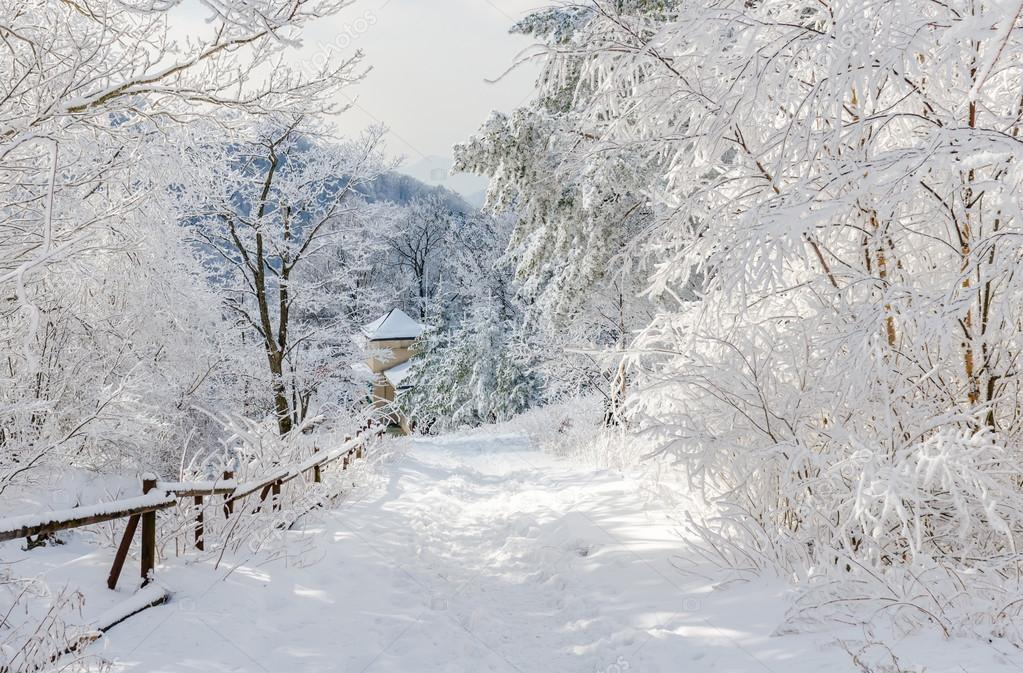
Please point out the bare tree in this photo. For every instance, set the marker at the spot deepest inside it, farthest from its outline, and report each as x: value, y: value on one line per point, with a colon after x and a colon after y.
x: 284, y: 199
x: 417, y: 245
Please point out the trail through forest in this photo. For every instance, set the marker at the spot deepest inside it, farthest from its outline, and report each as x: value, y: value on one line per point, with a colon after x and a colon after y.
x: 481, y: 554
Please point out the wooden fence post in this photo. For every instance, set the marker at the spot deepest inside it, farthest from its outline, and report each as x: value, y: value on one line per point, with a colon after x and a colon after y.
x: 228, y: 503
x: 148, y: 534
x: 122, y: 551
x: 199, y: 533
x: 263, y: 494
x: 143, y: 510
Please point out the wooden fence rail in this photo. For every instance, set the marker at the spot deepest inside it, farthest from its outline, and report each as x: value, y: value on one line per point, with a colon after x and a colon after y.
x: 163, y: 495
x: 52, y: 522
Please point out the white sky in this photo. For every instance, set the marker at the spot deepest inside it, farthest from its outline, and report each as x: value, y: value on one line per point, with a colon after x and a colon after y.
x: 430, y: 59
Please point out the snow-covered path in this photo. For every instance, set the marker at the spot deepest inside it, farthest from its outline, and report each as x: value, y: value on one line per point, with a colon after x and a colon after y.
x: 474, y: 555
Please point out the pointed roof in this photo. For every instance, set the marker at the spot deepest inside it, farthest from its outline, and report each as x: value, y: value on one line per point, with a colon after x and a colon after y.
x: 395, y: 325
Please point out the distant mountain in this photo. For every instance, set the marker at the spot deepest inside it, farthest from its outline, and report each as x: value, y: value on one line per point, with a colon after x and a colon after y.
x: 434, y: 170
x: 392, y: 187
x: 403, y: 189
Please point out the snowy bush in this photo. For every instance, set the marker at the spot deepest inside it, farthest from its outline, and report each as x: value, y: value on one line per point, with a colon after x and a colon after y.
x: 575, y: 428
x: 253, y: 451
x: 38, y: 626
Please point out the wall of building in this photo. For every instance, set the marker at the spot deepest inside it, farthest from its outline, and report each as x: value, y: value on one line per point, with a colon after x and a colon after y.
x: 401, y: 351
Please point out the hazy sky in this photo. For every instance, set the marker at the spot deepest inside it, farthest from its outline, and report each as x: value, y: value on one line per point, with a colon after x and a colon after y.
x: 430, y: 59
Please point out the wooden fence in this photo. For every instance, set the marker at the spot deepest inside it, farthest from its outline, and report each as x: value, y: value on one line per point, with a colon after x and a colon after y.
x: 158, y: 495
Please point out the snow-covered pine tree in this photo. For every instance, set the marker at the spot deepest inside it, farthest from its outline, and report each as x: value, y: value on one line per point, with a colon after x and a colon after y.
x: 473, y: 374
x: 579, y: 205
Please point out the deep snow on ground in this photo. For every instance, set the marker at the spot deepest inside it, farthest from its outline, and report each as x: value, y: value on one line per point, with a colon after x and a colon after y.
x: 479, y: 554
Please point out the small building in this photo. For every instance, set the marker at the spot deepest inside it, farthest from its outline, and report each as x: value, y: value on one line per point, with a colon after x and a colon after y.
x: 390, y: 343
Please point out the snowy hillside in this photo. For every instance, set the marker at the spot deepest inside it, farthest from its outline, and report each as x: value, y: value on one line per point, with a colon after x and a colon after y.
x: 436, y: 171
x: 400, y: 189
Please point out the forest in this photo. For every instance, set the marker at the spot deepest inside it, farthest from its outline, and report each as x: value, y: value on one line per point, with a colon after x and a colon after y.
x: 758, y: 255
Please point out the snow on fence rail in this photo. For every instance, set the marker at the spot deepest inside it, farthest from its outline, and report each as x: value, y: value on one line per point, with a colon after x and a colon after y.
x: 162, y: 495
x: 17, y: 527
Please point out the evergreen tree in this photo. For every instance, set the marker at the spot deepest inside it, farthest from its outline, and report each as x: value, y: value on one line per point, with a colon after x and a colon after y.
x: 472, y: 375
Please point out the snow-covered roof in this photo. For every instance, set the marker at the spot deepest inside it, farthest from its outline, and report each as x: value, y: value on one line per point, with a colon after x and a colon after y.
x: 396, y: 324
x: 398, y: 373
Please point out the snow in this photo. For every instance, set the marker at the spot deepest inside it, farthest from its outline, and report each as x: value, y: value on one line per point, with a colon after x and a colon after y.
x: 143, y: 598
x: 396, y: 324
x: 395, y: 375
x: 255, y: 484
x: 196, y: 485
x: 321, y: 458
x: 480, y: 554
x: 156, y: 498
x: 362, y: 370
